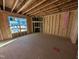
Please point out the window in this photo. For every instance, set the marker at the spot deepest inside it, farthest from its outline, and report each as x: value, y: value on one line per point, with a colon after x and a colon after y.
x: 17, y: 24
x: 23, y: 24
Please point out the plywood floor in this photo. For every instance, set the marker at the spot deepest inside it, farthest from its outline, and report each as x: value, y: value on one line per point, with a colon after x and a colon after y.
x: 6, y: 42
x: 39, y: 46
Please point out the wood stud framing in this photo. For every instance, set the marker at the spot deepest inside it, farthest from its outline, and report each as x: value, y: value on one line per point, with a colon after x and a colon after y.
x: 59, y: 24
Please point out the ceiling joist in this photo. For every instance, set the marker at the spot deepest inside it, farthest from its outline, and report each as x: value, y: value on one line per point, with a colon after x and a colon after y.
x: 38, y: 7
x: 63, y: 9
x: 51, y: 7
x: 45, y: 6
x: 16, y: 2
x: 52, y: 10
x: 25, y: 5
x: 34, y: 6
x: 20, y: 2
x: 3, y: 4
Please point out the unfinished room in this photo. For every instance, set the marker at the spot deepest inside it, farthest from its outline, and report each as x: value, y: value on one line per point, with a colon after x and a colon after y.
x: 38, y: 29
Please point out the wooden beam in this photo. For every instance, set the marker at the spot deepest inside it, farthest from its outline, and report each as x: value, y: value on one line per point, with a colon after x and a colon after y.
x: 16, y: 2
x: 56, y: 10
x: 25, y: 5
x: 45, y: 5
x: 51, y: 10
x: 20, y: 2
x: 3, y: 4
x: 35, y: 6
x: 61, y: 8
x: 51, y: 7
x: 46, y: 12
x: 66, y: 6
x: 13, y: 14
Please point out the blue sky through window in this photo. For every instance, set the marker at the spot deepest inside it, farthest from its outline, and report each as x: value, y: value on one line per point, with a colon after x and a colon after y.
x: 16, y: 22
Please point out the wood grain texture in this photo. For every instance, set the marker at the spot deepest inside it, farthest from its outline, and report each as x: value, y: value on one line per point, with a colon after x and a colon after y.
x: 39, y: 46
x: 47, y: 24
x: 43, y: 24
x: 4, y: 26
x: 57, y: 24
x: 53, y: 24
x: 29, y: 24
x: 50, y: 24
x: 74, y: 28
x: 62, y: 24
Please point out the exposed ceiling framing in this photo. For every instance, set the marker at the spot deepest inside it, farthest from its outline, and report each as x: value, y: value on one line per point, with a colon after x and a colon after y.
x: 45, y: 6
x: 3, y: 4
x: 25, y: 5
x: 35, y: 6
x: 16, y: 2
x: 38, y: 7
x: 40, y: 10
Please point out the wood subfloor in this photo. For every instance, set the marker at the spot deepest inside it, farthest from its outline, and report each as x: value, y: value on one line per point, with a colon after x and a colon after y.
x: 39, y: 46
